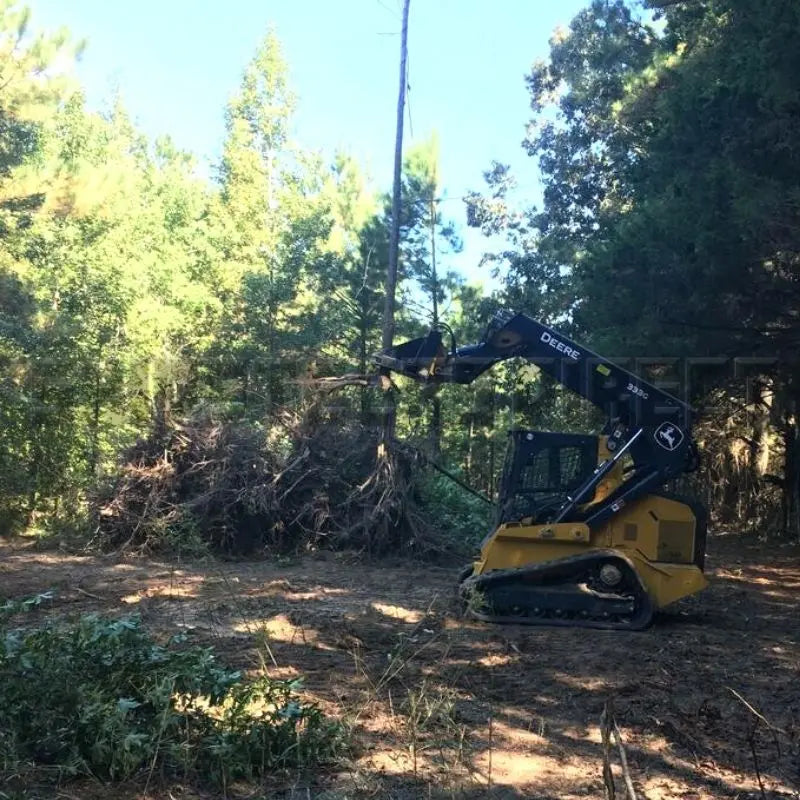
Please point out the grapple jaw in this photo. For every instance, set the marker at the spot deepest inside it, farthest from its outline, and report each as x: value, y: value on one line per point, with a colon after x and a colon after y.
x: 417, y: 359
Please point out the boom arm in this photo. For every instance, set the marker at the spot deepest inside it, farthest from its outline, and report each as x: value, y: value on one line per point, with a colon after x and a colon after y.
x: 642, y: 420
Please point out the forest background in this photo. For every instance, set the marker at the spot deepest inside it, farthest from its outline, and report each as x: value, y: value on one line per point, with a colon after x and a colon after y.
x: 142, y: 302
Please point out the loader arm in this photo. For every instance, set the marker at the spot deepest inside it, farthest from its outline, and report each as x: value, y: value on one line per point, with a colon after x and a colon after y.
x: 650, y: 425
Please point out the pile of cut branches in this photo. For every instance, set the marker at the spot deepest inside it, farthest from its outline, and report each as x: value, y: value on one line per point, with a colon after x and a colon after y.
x: 202, y: 483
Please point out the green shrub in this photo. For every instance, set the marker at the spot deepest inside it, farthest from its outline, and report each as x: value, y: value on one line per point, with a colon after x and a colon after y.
x: 458, y: 516
x: 100, y: 697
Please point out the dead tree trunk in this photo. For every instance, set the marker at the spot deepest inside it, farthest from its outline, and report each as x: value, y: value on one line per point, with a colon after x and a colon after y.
x: 394, y: 240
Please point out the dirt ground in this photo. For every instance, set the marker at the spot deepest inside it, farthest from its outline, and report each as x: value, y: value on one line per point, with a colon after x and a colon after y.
x: 444, y: 707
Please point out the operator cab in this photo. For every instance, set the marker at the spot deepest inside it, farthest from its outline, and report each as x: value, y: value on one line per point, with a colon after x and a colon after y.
x: 540, y: 471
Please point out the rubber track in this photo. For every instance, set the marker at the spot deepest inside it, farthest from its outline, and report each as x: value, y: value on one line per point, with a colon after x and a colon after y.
x: 549, y: 583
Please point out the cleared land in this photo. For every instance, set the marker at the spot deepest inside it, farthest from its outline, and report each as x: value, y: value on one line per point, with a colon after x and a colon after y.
x: 445, y: 707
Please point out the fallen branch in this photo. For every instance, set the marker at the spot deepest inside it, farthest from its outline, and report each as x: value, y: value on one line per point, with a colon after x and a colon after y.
x: 609, y: 729
x: 626, y: 773
x: 330, y: 384
x: 751, y: 737
x: 89, y: 594
x: 751, y: 740
x: 608, y: 775
x: 774, y: 728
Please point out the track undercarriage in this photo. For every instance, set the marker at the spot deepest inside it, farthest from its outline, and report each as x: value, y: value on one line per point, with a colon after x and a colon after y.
x: 600, y: 589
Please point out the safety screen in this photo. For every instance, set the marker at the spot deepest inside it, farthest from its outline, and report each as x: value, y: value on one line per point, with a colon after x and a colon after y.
x: 545, y: 469
x: 555, y: 468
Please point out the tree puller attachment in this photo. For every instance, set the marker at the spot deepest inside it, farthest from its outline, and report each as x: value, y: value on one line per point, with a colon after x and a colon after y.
x: 584, y: 535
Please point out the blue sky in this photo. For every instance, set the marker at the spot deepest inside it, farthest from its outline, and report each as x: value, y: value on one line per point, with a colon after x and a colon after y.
x: 175, y: 63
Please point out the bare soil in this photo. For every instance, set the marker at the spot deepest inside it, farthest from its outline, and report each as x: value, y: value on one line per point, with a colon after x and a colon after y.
x: 441, y: 706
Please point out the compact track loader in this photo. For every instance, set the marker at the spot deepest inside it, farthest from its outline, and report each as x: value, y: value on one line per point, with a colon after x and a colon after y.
x: 584, y: 535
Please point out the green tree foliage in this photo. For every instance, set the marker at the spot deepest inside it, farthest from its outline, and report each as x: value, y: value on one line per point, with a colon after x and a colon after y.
x: 274, y: 217
x: 134, y: 291
x: 102, y: 698
x: 428, y: 237
x: 426, y: 240
x: 29, y: 101
x: 668, y: 222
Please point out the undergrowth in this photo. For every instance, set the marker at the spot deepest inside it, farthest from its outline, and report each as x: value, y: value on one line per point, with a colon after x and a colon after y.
x: 100, y: 697
x: 461, y: 519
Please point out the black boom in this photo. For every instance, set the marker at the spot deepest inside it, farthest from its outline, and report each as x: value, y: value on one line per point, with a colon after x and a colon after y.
x: 650, y: 425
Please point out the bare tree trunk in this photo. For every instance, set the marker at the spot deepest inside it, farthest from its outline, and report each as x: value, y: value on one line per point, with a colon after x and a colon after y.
x: 394, y: 240
x: 94, y: 431
x: 434, y: 277
x: 362, y: 362
x: 436, y: 415
x: 791, y: 490
x: 471, y: 438
x: 436, y: 427
x: 756, y: 444
x: 491, y: 485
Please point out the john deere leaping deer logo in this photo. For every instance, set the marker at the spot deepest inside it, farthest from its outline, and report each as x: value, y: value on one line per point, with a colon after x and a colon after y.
x: 669, y: 436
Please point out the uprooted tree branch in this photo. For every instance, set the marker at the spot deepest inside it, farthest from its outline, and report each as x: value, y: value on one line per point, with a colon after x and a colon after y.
x: 240, y: 488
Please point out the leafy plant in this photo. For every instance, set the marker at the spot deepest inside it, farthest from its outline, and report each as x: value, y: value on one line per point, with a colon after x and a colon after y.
x: 460, y: 518
x: 101, y: 697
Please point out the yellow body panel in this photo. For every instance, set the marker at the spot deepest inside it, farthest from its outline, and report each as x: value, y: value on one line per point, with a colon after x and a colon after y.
x: 667, y: 583
x: 610, y: 481
x: 656, y: 534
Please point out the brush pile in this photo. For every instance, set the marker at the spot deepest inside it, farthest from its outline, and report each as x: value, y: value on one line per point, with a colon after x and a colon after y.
x: 237, y: 489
